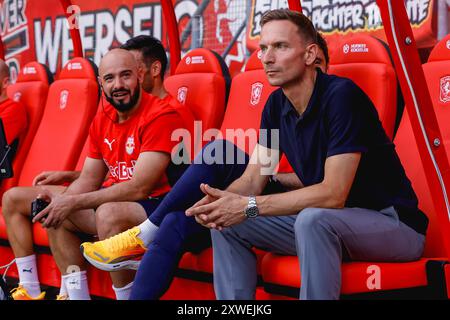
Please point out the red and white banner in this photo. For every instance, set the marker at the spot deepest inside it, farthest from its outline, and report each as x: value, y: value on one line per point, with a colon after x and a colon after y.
x: 337, y: 18
x: 38, y: 29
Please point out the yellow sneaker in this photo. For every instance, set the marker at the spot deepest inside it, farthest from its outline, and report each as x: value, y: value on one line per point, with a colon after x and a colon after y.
x: 20, y: 293
x: 62, y: 297
x: 115, y: 253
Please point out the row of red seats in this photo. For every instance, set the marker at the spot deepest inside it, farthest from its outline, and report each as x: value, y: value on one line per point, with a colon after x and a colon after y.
x: 367, y: 62
x: 201, y: 82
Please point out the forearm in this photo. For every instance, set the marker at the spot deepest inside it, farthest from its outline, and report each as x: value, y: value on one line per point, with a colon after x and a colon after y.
x: 246, y: 186
x: 289, y: 180
x: 125, y: 191
x: 292, y: 202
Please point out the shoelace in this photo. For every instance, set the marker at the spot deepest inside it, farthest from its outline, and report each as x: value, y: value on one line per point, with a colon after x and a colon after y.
x: 19, y: 289
x: 120, y: 241
x: 7, y: 266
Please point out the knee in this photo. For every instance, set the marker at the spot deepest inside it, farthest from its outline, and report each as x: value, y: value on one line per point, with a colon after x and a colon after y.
x: 175, y: 221
x: 310, y: 219
x: 108, y: 214
x: 10, y: 200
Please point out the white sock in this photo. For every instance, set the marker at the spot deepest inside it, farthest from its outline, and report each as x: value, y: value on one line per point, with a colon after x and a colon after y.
x: 63, y: 289
x: 124, y: 292
x: 77, y: 285
x: 148, y: 232
x: 28, y: 275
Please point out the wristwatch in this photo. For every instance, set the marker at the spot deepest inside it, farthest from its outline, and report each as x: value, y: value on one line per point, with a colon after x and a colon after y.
x: 252, y: 210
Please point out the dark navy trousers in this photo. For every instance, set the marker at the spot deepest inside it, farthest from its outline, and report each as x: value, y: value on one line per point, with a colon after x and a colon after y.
x: 158, y: 264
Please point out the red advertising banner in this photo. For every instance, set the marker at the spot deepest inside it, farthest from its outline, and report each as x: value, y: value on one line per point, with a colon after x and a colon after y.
x: 337, y: 18
x: 38, y: 29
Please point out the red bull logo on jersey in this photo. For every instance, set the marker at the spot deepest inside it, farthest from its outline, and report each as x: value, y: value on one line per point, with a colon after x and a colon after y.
x: 445, y: 89
x: 121, y: 171
x: 129, y: 146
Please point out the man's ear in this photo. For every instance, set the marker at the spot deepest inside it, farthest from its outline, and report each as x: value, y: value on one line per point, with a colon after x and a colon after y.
x: 155, y: 69
x: 99, y: 80
x: 6, y: 82
x: 140, y: 74
x: 311, y: 54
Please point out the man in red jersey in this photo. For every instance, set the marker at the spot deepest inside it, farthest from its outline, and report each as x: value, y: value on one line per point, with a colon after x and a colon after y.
x: 130, y: 139
x: 151, y: 57
x: 13, y: 114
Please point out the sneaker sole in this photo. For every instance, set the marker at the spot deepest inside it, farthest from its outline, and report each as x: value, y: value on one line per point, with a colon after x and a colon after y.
x: 127, y: 264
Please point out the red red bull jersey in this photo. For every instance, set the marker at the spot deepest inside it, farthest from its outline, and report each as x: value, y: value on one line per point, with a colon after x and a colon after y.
x: 14, y: 117
x: 119, y: 144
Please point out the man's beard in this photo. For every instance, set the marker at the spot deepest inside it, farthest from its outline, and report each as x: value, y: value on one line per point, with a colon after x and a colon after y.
x: 121, y: 106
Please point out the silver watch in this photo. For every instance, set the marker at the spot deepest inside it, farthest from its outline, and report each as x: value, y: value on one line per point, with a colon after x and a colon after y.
x: 252, y: 210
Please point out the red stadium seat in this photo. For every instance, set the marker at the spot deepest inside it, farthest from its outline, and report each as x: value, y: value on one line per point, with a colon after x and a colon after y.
x: 248, y: 94
x: 201, y: 81
x: 358, y: 56
x: 423, y: 278
x: 31, y: 89
x: 71, y: 104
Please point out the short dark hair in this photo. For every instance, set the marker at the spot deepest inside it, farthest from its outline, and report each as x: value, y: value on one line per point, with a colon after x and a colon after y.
x: 322, y: 43
x: 304, y: 25
x: 151, y: 48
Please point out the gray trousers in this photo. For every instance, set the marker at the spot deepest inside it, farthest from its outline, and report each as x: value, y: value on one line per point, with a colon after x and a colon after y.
x: 319, y: 237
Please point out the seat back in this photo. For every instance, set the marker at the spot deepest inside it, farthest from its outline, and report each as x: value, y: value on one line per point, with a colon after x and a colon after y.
x: 366, y: 61
x: 201, y: 81
x: 248, y: 95
x: 71, y: 105
x: 437, y: 75
x: 30, y: 89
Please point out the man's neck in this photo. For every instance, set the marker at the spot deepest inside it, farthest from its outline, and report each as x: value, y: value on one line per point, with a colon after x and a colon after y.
x: 158, y: 90
x: 300, y: 93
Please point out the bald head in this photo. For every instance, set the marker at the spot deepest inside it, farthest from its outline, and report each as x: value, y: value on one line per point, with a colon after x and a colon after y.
x: 4, y: 70
x: 117, y: 58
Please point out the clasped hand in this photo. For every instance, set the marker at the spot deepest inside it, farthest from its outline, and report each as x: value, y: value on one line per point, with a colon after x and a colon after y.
x: 218, y: 209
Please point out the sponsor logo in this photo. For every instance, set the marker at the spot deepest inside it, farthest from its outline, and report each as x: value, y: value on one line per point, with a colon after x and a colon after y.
x: 255, y: 96
x: 29, y: 70
x: 198, y: 60
x: 109, y: 143
x: 182, y: 94
x: 129, y: 146
x: 188, y: 60
x: 17, y: 96
x: 121, y: 171
x: 356, y: 48
x: 445, y: 89
x: 448, y: 44
x: 346, y: 48
x: 63, y: 97
x: 28, y: 270
x: 74, y: 66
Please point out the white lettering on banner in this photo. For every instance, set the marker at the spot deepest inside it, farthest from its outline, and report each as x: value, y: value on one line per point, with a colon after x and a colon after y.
x: 12, y: 15
x: 340, y: 15
x: 107, y: 28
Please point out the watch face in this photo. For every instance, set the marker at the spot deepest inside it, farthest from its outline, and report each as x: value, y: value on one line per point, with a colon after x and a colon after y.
x: 252, y: 212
